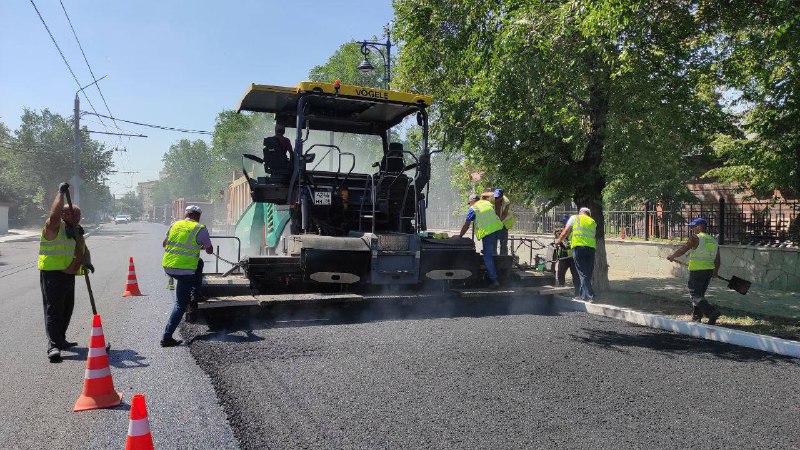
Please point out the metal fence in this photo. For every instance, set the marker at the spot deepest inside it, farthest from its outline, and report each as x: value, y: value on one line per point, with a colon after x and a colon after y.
x: 750, y: 223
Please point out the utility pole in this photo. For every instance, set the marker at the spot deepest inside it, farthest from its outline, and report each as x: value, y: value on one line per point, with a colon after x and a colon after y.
x: 76, y: 145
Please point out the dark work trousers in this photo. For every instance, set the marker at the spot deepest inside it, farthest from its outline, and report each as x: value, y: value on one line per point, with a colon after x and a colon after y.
x: 563, y: 266
x: 187, y: 285
x: 584, y: 264
x: 197, y: 288
x: 58, y: 299
x: 504, y: 241
x: 698, y: 283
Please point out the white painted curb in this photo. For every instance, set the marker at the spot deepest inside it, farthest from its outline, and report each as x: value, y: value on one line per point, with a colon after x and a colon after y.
x: 710, y: 332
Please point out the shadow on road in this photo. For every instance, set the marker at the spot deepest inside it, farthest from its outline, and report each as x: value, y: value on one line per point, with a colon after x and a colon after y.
x: 675, y: 344
x: 119, y: 359
x: 238, y: 325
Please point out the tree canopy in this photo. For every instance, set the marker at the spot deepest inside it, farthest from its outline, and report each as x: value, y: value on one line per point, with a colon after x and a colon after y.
x: 562, y: 98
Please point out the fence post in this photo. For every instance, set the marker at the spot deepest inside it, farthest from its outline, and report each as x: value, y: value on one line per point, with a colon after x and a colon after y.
x: 646, y: 221
x: 721, y: 220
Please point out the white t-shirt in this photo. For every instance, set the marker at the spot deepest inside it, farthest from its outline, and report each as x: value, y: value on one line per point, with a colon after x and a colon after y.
x: 571, y: 221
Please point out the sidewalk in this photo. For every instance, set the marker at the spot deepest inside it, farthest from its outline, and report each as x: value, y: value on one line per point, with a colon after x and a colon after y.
x: 776, y: 313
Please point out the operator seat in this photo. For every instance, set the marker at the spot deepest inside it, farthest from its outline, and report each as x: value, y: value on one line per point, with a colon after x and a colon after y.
x: 276, y: 163
x: 391, y: 186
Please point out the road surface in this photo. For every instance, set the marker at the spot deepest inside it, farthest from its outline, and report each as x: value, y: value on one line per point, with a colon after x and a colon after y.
x: 453, y: 375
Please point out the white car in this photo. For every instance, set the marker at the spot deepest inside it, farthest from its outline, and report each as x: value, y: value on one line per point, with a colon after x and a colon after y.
x: 122, y: 218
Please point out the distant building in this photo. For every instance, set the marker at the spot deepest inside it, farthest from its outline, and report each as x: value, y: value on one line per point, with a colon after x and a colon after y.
x: 145, y: 189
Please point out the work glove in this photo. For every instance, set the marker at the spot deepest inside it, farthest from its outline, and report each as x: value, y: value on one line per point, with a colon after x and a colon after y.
x: 63, y: 188
x: 69, y: 230
x: 89, y: 267
x: 80, y: 229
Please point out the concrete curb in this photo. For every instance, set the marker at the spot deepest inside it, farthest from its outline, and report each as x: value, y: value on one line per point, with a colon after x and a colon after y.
x: 710, y: 332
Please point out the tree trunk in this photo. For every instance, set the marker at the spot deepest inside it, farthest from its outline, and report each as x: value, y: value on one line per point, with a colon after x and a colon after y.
x: 589, y: 192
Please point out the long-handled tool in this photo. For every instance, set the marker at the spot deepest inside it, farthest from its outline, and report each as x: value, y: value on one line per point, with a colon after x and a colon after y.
x: 86, y: 275
x: 737, y: 284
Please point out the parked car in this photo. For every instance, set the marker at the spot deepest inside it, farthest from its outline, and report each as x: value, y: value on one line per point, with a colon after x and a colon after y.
x: 122, y: 218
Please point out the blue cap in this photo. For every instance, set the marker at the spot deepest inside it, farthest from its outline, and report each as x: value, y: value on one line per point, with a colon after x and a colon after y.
x: 565, y: 219
x: 498, y: 193
x: 698, y: 221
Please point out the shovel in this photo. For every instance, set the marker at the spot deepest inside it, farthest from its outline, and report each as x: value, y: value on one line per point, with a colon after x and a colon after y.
x: 86, y: 277
x: 735, y: 283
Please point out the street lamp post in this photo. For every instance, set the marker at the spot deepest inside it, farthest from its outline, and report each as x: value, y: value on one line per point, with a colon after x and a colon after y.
x: 367, y: 67
x: 76, y: 144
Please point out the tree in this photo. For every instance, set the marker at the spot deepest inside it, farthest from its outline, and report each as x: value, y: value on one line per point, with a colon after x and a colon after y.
x: 129, y: 203
x: 39, y: 157
x: 555, y: 98
x: 190, y: 167
x: 343, y: 66
x: 758, y: 44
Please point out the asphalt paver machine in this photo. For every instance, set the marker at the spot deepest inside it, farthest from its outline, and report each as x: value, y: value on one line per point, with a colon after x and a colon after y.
x: 354, y: 202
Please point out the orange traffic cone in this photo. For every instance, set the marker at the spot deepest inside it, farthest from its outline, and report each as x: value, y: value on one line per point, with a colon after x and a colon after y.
x: 139, y: 437
x: 98, y: 387
x: 131, y: 287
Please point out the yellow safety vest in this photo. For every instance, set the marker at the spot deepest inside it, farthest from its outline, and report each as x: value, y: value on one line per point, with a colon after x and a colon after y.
x: 583, y: 232
x: 702, y: 257
x: 509, y: 222
x: 182, y: 250
x: 58, y: 253
x: 486, y: 220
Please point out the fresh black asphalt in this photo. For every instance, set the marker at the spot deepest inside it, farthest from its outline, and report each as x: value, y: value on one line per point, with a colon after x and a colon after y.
x: 488, y: 375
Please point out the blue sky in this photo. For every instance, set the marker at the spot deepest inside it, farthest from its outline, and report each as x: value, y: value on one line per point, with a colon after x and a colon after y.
x: 172, y: 63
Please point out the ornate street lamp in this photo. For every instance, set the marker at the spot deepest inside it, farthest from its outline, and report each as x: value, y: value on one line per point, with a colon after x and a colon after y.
x: 366, y: 47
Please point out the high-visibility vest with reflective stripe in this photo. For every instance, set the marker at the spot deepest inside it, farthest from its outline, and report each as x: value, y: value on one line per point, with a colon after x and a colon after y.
x: 509, y: 222
x: 702, y: 257
x: 58, y: 253
x: 583, y: 232
x: 182, y: 250
x: 486, y: 220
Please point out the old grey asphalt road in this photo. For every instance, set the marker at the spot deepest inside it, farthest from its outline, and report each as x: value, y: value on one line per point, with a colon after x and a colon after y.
x: 37, y: 396
x: 490, y: 376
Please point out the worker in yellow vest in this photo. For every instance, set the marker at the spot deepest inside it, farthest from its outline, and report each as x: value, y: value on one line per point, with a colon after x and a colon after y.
x: 704, y: 262
x: 502, y: 207
x: 62, y: 255
x: 487, y: 228
x: 181, y: 261
x: 583, y: 244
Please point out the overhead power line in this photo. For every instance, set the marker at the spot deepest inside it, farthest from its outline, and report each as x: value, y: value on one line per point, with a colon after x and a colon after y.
x: 94, y: 78
x: 160, y: 127
x: 62, y: 56
x: 116, y: 134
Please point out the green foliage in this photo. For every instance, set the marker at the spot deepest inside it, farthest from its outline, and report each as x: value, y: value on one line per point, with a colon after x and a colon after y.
x: 129, y: 203
x: 37, y: 157
x: 561, y: 98
x: 343, y: 64
x: 758, y: 45
x: 191, y: 169
x: 235, y: 134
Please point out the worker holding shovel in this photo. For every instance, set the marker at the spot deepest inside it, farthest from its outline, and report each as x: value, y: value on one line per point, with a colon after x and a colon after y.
x: 704, y: 265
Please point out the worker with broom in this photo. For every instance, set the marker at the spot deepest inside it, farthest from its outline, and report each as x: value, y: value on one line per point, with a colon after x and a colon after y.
x: 704, y: 265
x: 62, y: 255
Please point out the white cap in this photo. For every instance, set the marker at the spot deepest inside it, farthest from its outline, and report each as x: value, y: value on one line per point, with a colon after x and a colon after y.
x: 194, y: 209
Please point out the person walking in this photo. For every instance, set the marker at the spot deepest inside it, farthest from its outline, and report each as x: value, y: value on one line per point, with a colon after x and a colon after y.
x: 181, y: 261
x: 565, y: 261
x: 487, y: 228
x: 704, y: 262
x: 583, y: 244
x: 62, y: 255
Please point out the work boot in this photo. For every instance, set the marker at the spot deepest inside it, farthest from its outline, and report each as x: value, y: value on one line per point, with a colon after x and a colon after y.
x: 66, y: 345
x: 696, y: 313
x: 495, y: 285
x: 710, y: 311
x: 169, y: 341
x: 54, y: 355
